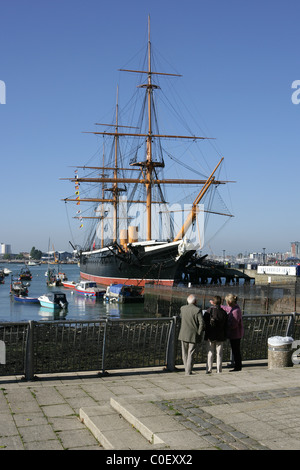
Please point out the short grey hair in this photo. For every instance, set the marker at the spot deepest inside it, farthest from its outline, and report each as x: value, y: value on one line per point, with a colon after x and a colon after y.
x: 191, y: 299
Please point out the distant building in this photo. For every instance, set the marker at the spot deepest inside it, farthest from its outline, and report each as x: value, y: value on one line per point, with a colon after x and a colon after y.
x: 257, y: 257
x: 295, y: 249
x: 5, y: 249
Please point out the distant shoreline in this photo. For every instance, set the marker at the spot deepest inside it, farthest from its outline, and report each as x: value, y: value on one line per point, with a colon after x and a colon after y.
x: 24, y: 261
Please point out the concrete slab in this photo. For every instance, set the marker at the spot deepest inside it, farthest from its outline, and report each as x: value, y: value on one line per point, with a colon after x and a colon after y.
x: 254, y: 409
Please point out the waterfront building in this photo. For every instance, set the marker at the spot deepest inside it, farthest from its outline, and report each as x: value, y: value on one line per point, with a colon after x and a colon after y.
x: 5, y: 249
x: 295, y: 249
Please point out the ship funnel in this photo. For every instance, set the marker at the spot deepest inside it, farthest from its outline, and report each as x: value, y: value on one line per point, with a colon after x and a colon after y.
x: 133, y: 234
x: 123, y: 238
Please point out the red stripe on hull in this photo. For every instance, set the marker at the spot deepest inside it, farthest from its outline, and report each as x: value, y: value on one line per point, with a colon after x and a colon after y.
x: 107, y: 281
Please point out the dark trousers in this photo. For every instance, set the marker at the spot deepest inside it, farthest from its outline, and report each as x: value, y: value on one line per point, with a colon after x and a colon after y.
x: 236, y: 352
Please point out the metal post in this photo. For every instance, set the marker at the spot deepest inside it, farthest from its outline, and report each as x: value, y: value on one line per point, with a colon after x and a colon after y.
x: 295, y: 295
x: 104, y: 348
x: 28, y: 366
x: 291, y: 325
x: 171, y: 349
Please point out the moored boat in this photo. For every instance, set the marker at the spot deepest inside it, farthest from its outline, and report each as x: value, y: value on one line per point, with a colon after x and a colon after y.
x: 69, y: 284
x: 123, y: 293
x: 89, y: 289
x: 53, y: 300
x: 26, y: 299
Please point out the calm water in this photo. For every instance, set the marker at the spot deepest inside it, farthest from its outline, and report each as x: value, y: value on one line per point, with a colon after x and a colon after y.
x: 79, y: 308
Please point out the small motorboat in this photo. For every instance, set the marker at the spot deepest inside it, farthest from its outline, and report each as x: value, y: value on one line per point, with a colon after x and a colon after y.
x: 54, y: 300
x: 89, y: 289
x: 123, y: 293
x: 26, y: 299
x: 69, y: 284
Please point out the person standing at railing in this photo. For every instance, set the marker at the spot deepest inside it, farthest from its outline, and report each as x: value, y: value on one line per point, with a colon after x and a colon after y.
x: 191, y: 328
x: 215, y: 320
x: 235, y: 329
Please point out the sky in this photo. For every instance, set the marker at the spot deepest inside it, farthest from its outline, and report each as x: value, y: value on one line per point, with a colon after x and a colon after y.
x: 59, y: 61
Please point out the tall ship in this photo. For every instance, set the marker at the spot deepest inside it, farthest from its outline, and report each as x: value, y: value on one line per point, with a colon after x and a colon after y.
x: 136, y: 233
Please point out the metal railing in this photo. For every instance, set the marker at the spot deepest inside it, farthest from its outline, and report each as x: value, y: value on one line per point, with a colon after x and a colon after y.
x: 72, y: 346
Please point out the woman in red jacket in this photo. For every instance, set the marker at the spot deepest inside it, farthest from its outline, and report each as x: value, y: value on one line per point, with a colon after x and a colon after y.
x: 235, y: 329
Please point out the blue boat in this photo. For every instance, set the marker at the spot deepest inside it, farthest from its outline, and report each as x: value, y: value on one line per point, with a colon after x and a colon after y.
x: 123, y: 293
x: 26, y: 299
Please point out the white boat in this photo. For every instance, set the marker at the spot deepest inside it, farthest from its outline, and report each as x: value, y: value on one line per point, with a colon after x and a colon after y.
x: 69, y: 284
x: 89, y: 289
x: 54, y: 300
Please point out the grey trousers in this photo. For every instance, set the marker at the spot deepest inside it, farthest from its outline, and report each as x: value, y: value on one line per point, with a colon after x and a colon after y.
x: 188, y: 351
x: 214, y: 348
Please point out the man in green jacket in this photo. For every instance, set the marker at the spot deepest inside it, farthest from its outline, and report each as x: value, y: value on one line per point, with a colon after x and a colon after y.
x: 192, y: 325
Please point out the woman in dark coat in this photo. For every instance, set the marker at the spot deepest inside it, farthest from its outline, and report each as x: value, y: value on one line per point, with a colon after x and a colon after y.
x: 215, y: 320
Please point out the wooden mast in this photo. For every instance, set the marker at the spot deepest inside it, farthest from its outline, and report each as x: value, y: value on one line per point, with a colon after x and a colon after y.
x: 102, y: 208
x: 149, y: 142
x: 115, y: 186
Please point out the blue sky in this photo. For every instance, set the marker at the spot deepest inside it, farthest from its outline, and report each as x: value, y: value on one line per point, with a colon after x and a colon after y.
x: 59, y: 60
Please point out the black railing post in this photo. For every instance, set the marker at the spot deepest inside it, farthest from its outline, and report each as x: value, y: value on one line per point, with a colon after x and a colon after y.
x: 291, y: 325
x: 29, y: 367
x: 171, y: 347
x: 104, y: 347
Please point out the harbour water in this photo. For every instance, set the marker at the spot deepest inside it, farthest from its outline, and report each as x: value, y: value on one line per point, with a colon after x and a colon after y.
x: 79, y: 308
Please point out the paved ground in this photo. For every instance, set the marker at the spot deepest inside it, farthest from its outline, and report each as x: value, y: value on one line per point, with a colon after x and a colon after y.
x: 255, y: 409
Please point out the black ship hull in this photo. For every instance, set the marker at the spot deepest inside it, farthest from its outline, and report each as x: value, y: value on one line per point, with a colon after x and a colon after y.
x: 139, y: 265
